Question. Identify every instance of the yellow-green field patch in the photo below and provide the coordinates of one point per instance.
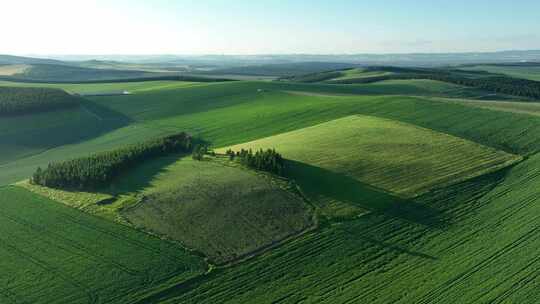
(390, 155)
(12, 69)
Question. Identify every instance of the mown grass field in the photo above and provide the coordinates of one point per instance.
(50, 253)
(399, 158)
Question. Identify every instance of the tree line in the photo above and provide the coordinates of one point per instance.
(263, 160)
(16, 101)
(483, 80)
(99, 169)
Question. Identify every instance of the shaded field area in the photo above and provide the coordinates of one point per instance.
(218, 208)
(103, 88)
(225, 212)
(517, 71)
(54, 254)
(483, 253)
(30, 135)
(473, 240)
(232, 113)
(396, 157)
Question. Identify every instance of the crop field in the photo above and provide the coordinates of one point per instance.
(359, 73)
(473, 241)
(11, 69)
(233, 113)
(54, 254)
(526, 72)
(225, 212)
(104, 88)
(529, 108)
(396, 157)
(485, 253)
(214, 207)
(30, 135)
(416, 200)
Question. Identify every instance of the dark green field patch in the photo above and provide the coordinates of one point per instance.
(223, 211)
(50, 253)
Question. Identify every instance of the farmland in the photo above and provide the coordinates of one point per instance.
(486, 254)
(531, 72)
(235, 112)
(396, 157)
(225, 212)
(398, 191)
(17, 101)
(93, 261)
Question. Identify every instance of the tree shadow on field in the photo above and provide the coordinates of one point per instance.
(316, 181)
(140, 176)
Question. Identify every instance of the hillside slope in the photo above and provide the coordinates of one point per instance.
(386, 154)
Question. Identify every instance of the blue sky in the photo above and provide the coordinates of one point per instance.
(267, 26)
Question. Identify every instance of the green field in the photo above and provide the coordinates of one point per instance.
(232, 113)
(529, 108)
(214, 207)
(10, 69)
(225, 212)
(416, 205)
(396, 157)
(486, 253)
(359, 73)
(104, 88)
(526, 72)
(54, 254)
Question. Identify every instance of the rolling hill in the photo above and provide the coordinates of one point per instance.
(396, 157)
(399, 196)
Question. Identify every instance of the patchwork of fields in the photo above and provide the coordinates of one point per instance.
(526, 72)
(402, 197)
(485, 254)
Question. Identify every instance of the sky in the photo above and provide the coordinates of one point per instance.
(242, 27)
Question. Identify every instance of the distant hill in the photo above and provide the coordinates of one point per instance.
(8, 59)
(283, 69)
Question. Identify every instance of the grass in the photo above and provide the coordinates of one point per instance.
(11, 69)
(212, 206)
(232, 113)
(113, 87)
(54, 254)
(360, 73)
(389, 155)
(30, 135)
(224, 212)
(526, 72)
(472, 242)
(528, 108)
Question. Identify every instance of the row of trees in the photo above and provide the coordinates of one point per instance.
(481, 80)
(15, 101)
(314, 77)
(99, 169)
(499, 84)
(264, 160)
